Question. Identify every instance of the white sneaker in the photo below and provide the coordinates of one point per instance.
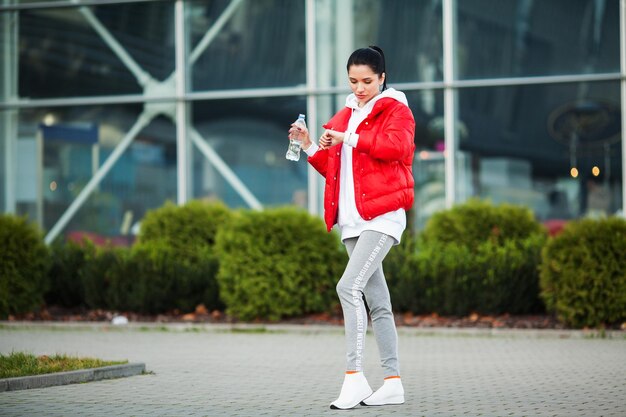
(354, 390)
(391, 392)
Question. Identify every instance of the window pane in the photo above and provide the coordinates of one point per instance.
(408, 31)
(521, 143)
(262, 44)
(75, 142)
(250, 136)
(526, 38)
(61, 54)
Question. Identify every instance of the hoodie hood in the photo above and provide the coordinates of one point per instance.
(352, 102)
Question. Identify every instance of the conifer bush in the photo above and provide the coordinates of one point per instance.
(475, 257)
(185, 227)
(174, 259)
(104, 267)
(24, 263)
(583, 273)
(278, 263)
(158, 279)
(66, 274)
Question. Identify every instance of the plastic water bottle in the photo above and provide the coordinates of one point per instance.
(295, 141)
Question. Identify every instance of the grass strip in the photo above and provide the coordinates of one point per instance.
(24, 364)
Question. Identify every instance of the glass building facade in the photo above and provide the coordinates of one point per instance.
(111, 108)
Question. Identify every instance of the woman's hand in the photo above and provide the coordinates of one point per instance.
(331, 138)
(303, 132)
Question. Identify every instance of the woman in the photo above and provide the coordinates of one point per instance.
(366, 154)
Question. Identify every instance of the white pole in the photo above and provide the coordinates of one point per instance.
(450, 100)
(39, 176)
(180, 119)
(9, 92)
(344, 44)
(311, 82)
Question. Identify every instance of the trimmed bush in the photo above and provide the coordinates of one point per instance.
(104, 267)
(475, 257)
(175, 251)
(171, 267)
(278, 263)
(66, 275)
(150, 278)
(583, 273)
(185, 227)
(24, 265)
(476, 221)
(404, 281)
(452, 279)
(158, 279)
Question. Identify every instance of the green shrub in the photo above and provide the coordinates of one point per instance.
(185, 227)
(150, 278)
(23, 266)
(158, 279)
(452, 279)
(403, 279)
(278, 263)
(172, 265)
(66, 275)
(176, 243)
(477, 221)
(583, 273)
(103, 268)
(475, 257)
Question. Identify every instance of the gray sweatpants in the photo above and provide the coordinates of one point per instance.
(363, 276)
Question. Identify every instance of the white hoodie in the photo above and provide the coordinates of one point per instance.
(350, 221)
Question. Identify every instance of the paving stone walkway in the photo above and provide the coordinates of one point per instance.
(210, 371)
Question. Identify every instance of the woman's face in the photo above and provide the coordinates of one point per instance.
(364, 82)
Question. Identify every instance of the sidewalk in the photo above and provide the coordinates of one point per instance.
(297, 371)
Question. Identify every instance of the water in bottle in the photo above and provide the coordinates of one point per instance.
(295, 141)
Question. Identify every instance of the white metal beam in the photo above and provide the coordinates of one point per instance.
(324, 75)
(25, 103)
(214, 30)
(311, 102)
(141, 75)
(8, 38)
(450, 100)
(344, 42)
(180, 118)
(223, 168)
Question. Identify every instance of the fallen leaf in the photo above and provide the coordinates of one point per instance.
(189, 317)
(201, 309)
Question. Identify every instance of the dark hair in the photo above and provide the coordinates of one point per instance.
(373, 57)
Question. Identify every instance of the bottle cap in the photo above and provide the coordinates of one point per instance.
(301, 116)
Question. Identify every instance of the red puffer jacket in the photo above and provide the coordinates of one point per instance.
(381, 162)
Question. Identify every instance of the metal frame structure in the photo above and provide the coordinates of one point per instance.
(171, 98)
(175, 83)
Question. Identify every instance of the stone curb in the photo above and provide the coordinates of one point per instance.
(71, 377)
(314, 329)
